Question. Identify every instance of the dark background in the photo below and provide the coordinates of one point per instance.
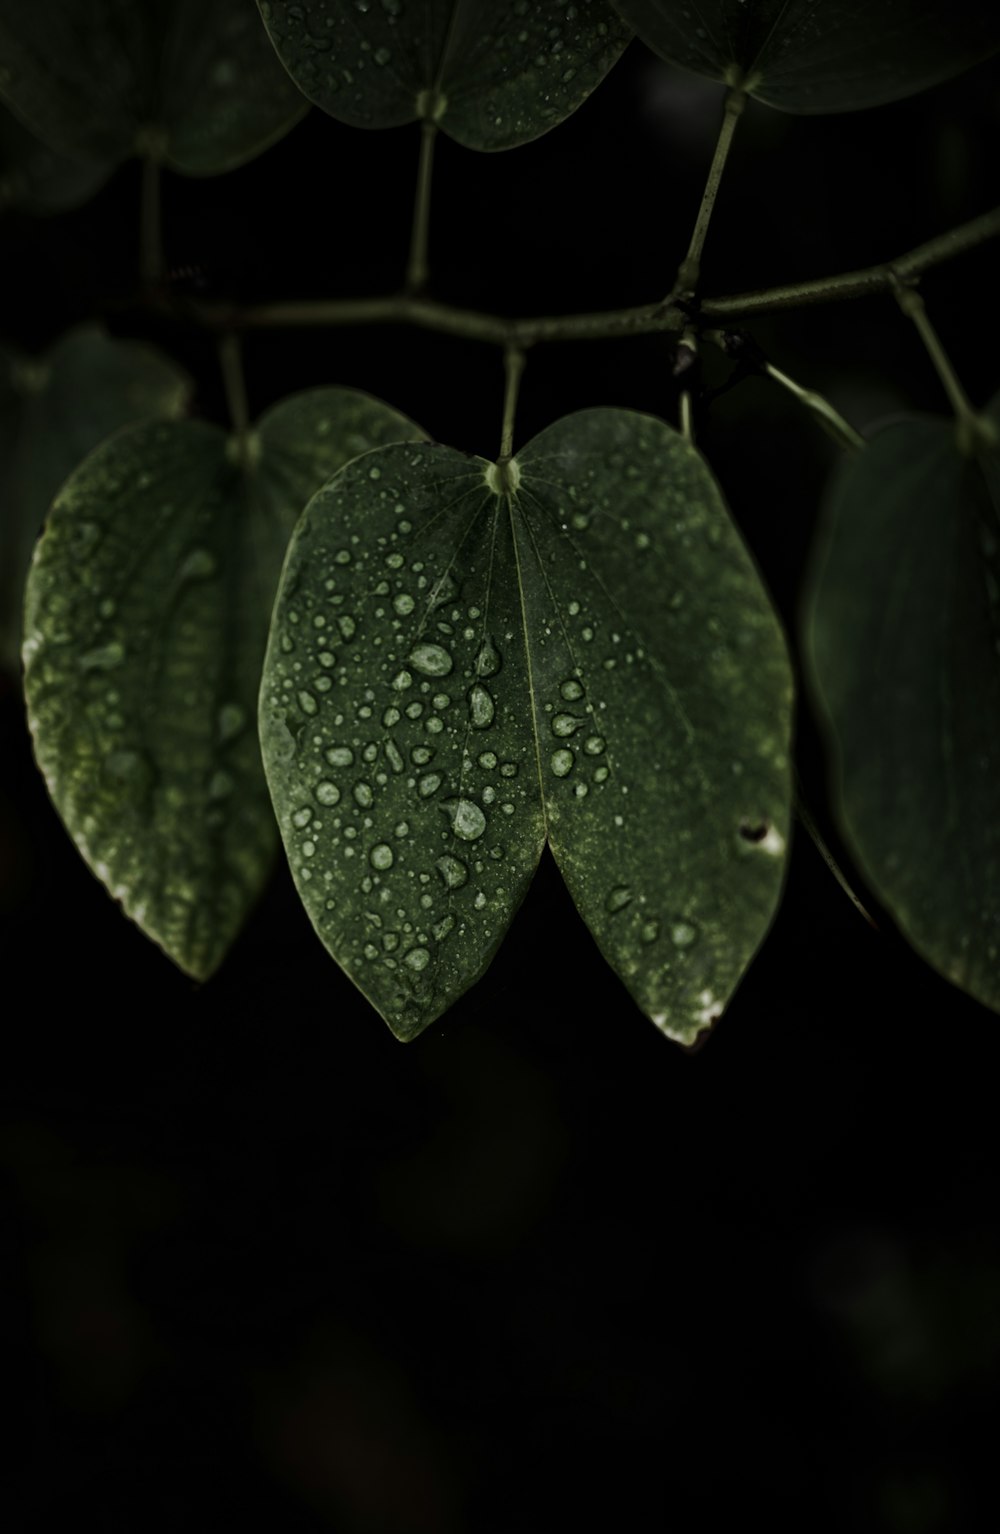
(540, 1269)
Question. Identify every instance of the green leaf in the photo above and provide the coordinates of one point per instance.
(192, 82)
(902, 639)
(820, 55)
(146, 619)
(458, 671)
(493, 73)
(53, 410)
(37, 179)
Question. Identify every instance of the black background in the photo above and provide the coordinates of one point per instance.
(540, 1269)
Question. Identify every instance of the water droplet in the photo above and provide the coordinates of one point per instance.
(561, 762)
(363, 795)
(198, 566)
(403, 604)
(595, 745)
(430, 659)
(417, 958)
(307, 703)
(340, 756)
(129, 766)
(221, 784)
(104, 658)
(650, 931)
(619, 898)
(430, 784)
(453, 872)
(395, 756)
(467, 819)
(480, 901)
(302, 817)
(571, 690)
(481, 708)
(488, 660)
(381, 856)
(683, 933)
(564, 725)
(327, 792)
(230, 721)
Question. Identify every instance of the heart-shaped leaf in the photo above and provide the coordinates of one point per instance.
(53, 410)
(820, 55)
(493, 73)
(38, 179)
(465, 661)
(145, 618)
(191, 82)
(902, 641)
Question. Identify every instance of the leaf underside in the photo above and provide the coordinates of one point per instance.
(193, 81)
(146, 618)
(455, 674)
(53, 411)
(903, 637)
(820, 55)
(494, 73)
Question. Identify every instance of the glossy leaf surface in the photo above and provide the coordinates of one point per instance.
(820, 55)
(193, 82)
(146, 617)
(457, 671)
(493, 73)
(903, 637)
(53, 411)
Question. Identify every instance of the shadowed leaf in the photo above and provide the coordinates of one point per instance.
(902, 640)
(461, 666)
(54, 410)
(37, 179)
(146, 618)
(820, 55)
(192, 82)
(494, 73)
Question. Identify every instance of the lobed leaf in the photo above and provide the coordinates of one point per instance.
(494, 73)
(463, 663)
(53, 411)
(902, 636)
(819, 55)
(192, 82)
(146, 618)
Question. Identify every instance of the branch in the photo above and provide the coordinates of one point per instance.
(644, 319)
(871, 279)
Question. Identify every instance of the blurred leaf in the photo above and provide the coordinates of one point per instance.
(456, 673)
(53, 410)
(494, 73)
(35, 178)
(146, 618)
(902, 641)
(820, 55)
(191, 82)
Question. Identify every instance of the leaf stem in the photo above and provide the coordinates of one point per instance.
(416, 267)
(234, 383)
(690, 268)
(830, 419)
(151, 263)
(912, 304)
(513, 363)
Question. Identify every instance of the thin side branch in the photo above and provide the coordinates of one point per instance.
(416, 267)
(690, 268)
(513, 362)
